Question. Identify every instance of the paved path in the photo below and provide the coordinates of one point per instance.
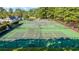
(42, 29)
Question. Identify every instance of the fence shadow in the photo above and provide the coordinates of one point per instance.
(55, 44)
(5, 32)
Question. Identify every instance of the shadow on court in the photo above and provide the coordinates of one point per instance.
(5, 32)
(55, 44)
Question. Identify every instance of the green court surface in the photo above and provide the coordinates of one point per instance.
(40, 30)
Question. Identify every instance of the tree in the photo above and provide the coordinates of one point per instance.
(11, 13)
(3, 13)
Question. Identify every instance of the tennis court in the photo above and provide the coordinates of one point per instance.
(39, 29)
